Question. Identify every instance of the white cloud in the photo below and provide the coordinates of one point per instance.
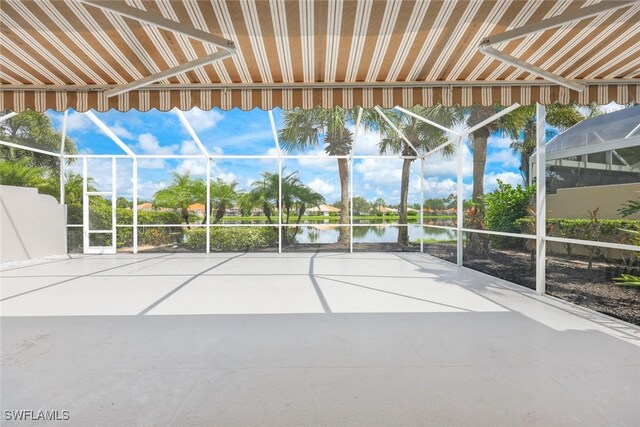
(146, 189)
(248, 138)
(152, 164)
(121, 131)
(189, 147)
(78, 122)
(203, 120)
(499, 142)
(367, 144)
(507, 158)
(148, 144)
(227, 177)
(193, 167)
(318, 160)
(491, 180)
(320, 186)
(379, 171)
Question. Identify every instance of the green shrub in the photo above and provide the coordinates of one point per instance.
(412, 213)
(100, 219)
(607, 230)
(231, 238)
(503, 207)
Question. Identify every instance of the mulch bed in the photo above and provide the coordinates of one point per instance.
(567, 279)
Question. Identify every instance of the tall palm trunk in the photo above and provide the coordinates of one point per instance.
(403, 232)
(480, 138)
(343, 171)
(185, 215)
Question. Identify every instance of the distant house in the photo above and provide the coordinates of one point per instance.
(232, 212)
(197, 209)
(257, 212)
(385, 210)
(145, 207)
(325, 210)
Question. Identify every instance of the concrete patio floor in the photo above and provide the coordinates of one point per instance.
(300, 339)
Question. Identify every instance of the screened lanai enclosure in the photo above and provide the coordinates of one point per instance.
(320, 212)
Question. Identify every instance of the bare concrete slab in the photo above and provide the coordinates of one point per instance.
(305, 340)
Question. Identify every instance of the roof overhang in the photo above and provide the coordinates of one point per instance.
(144, 54)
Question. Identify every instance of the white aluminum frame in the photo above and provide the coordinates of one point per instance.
(458, 139)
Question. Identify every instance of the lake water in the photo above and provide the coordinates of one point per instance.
(370, 234)
(368, 231)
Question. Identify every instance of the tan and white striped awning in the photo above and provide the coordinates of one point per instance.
(71, 54)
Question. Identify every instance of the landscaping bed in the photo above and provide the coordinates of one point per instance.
(568, 279)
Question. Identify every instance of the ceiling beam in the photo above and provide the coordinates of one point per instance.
(318, 85)
(530, 68)
(557, 21)
(182, 68)
(121, 8)
(546, 24)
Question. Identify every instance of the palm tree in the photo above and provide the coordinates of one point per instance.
(33, 129)
(296, 197)
(222, 195)
(560, 116)
(378, 203)
(304, 128)
(182, 192)
(264, 193)
(424, 138)
(20, 173)
(509, 124)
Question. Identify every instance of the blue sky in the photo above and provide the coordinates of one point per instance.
(249, 132)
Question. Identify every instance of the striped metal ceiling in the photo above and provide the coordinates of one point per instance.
(66, 53)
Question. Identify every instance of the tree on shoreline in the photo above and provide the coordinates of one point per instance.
(424, 137)
(305, 128)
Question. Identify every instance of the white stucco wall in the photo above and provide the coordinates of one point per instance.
(32, 225)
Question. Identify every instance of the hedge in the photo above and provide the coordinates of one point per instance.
(231, 238)
(100, 219)
(603, 230)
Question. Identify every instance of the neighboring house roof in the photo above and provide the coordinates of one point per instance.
(323, 208)
(197, 207)
(145, 207)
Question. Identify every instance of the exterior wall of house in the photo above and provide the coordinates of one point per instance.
(575, 202)
(32, 225)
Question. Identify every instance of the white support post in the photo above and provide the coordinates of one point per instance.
(85, 207)
(351, 166)
(135, 205)
(114, 196)
(62, 159)
(8, 116)
(208, 213)
(274, 131)
(459, 195)
(541, 199)
(280, 206)
(422, 205)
